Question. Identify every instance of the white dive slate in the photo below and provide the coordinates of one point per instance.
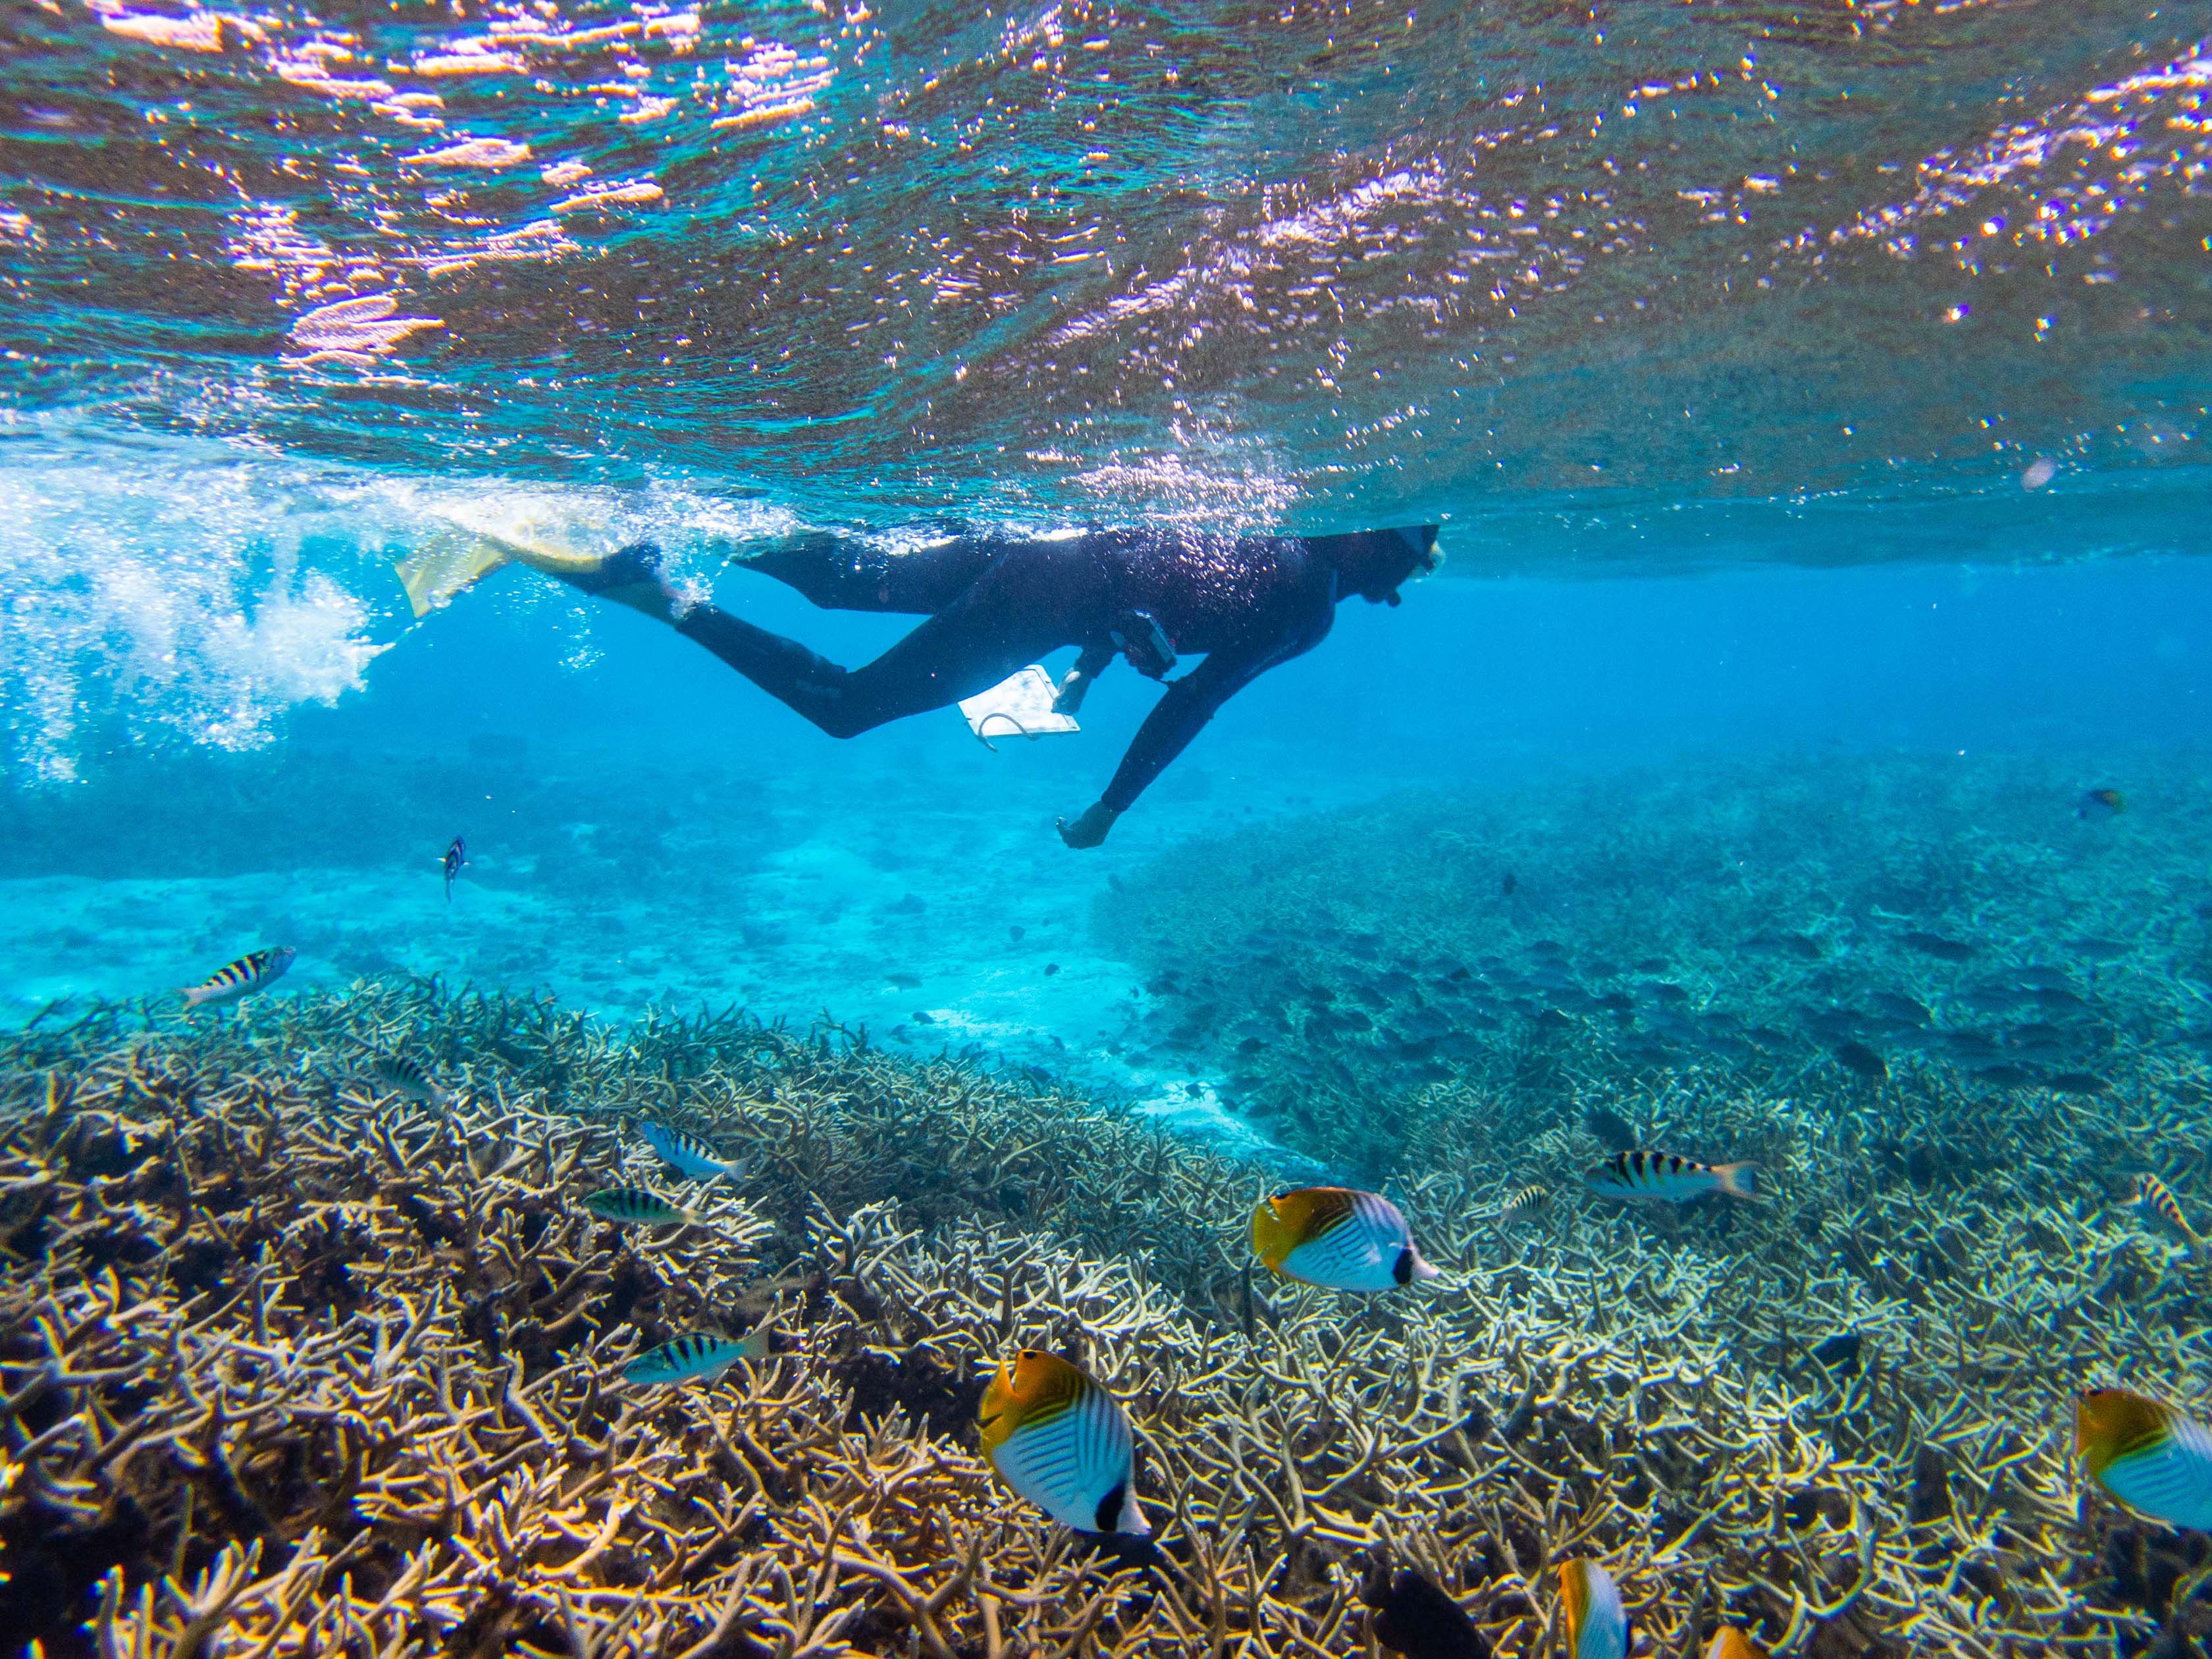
(1018, 707)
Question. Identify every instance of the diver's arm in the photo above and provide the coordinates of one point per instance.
(1167, 731)
(1088, 667)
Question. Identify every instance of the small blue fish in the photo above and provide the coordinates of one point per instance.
(696, 1358)
(688, 1154)
(456, 855)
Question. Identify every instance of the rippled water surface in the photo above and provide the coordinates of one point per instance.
(1295, 260)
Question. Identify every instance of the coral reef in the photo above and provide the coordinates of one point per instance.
(295, 1366)
(1370, 981)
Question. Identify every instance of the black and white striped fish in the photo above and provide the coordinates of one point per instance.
(2155, 1198)
(696, 1358)
(639, 1206)
(241, 978)
(1527, 1202)
(1664, 1178)
(405, 1076)
(690, 1154)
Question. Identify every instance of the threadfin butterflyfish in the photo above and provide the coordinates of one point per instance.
(1062, 1441)
(688, 1154)
(1338, 1238)
(253, 972)
(1597, 1625)
(1664, 1178)
(2146, 1455)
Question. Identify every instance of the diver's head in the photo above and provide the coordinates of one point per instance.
(1375, 562)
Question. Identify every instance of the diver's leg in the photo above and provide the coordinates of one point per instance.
(970, 646)
(631, 576)
(918, 578)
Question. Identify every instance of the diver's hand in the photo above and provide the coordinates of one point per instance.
(1091, 828)
(1069, 698)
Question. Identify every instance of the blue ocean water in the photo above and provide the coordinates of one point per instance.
(1800, 756)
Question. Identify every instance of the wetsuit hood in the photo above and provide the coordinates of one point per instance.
(1373, 563)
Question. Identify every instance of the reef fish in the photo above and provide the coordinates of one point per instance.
(1518, 1206)
(696, 1358)
(1730, 1643)
(1337, 1237)
(2100, 804)
(1415, 1617)
(2146, 1455)
(2155, 1198)
(690, 1154)
(1663, 1178)
(242, 978)
(457, 855)
(405, 1076)
(638, 1206)
(1060, 1440)
(1597, 1625)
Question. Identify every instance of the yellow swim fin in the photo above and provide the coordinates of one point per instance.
(478, 538)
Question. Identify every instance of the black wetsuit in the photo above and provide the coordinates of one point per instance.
(998, 604)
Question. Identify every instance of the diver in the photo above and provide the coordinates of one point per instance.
(997, 602)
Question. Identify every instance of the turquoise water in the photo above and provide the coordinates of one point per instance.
(1813, 400)
(1789, 385)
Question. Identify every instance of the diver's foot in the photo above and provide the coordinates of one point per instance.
(1091, 828)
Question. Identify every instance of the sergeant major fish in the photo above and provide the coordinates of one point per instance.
(1338, 1238)
(1663, 1178)
(2155, 1198)
(254, 972)
(638, 1206)
(696, 1358)
(688, 1154)
(405, 1076)
(1597, 1625)
(1527, 1202)
(1060, 1440)
(2146, 1455)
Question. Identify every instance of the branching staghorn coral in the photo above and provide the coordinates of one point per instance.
(297, 1366)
